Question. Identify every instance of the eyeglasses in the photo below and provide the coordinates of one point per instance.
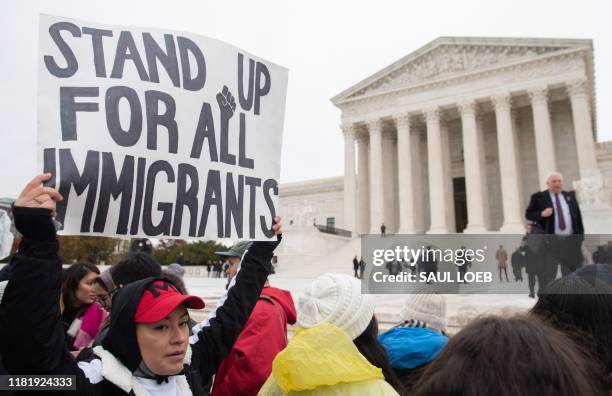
(103, 299)
(113, 292)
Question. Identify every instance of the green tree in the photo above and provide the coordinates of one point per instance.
(195, 253)
(95, 250)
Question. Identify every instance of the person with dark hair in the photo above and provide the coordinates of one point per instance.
(541, 268)
(582, 308)
(82, 317)
(147, 350)
(134, 267)
(419, 338)
(217, 269)
(370, 347)
(78, 285)
(104, 287)
(394, 267)
(142, 245)
(428, 263)
(180, 259)
(356, 266)
(362, 266)
(599, 255)
(334, 350)
(517, 260)
(519, 355)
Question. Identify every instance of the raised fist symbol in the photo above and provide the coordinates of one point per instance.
(227, 103)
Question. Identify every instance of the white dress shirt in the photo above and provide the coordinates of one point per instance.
(567, 216)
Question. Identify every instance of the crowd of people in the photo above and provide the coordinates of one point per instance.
(426, 264)
(127, 330)
(216, 268)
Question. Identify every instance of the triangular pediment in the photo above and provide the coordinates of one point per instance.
(446, 57)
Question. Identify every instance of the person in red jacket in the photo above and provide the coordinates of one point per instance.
(249, 364)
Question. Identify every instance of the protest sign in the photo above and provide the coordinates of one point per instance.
(155, 133)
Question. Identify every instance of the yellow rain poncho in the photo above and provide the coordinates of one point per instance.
(323, 360)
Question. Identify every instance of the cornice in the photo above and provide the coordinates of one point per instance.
(466, 76)
(317, 186)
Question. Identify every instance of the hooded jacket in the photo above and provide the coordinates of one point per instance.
(323, 360)
(411, 347)
(249, 364)
(32, 335)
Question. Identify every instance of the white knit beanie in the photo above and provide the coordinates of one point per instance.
(336, 299)
(429, 308)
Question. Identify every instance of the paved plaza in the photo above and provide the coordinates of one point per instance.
(461, 307)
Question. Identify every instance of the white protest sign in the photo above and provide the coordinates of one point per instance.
(155, 133)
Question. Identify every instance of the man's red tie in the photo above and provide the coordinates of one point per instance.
(559, 212)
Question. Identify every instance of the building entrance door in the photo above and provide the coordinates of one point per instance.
(459, 197)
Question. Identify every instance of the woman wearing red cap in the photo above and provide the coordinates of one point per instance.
(147, 350)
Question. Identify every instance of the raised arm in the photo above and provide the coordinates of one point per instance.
(212, 343)
(31, 332)
(31, 335)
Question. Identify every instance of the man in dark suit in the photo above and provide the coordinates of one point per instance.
(556, 212)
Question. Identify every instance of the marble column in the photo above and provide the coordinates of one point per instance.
(390, 182)
(583, 128)
(449, 200)
(417, 180)
(406, 186)
(350, 191)
(435, 163)
(508, 165)
(545, 144)
(475, 168)
(376, 176)
(363, 184)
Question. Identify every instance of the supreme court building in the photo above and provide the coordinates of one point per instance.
(455, 136)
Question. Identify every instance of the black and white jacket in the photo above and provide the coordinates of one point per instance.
(32, 335)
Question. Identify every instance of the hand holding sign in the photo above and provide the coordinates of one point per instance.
(35, 195)
(277, 227)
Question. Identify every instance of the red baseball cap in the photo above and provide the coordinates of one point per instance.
(159, 299)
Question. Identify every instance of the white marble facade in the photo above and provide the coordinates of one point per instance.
(455, 136)
(309, 202)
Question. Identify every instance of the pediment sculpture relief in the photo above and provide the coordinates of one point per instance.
(447, 60)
